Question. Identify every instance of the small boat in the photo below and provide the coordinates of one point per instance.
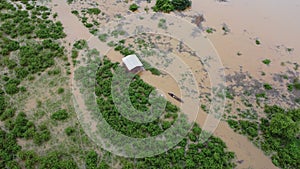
(175, 97)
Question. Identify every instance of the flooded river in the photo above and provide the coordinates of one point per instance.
(274, 23)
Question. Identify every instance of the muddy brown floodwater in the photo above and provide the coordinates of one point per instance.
(274, 23)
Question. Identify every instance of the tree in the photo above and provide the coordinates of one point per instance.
(164, 6)
(181, 5)
(283, 126)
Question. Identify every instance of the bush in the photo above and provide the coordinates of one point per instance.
(103, 37)
(168, 6)
(155, 71)
(267, 86)
(267, 61)
(95, 11)
(133, 7)
(181, 5)
(257, 42)
(80, 44)
(69, 130)
(60, 90)
(290, 87)
(233, 124)
(60, 115)
(297, 86)
(74, 54)
(11, 87)
(88, 25)
(42, 135)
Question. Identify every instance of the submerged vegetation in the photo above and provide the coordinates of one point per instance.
(279, 134)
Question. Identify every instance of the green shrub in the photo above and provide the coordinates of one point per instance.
(95, 11)
(154, 71)
(42, 135)
(260, 95)
(210, 30)
(133, 7)
(88, 25)
(80, 44)
(69, 130)
(267, 86)
(60, 115)
(290, 87)
(11, 87)
(60, 90)
(74, 54)
(257, 42)
(8, 113)
(267, 61)
(233, 124)
(75, 12)
(162, 24)
(168, 5)
(103, 37)
(164, 6)
(297, 85)
(181, 5)
(70, 1)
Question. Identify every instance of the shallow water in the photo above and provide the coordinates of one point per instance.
(272, 22)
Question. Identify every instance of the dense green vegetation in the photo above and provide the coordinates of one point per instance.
(171, 5)
(279, 134)
(28, 45)
(189, 153)
(20, 53)
(139, 92)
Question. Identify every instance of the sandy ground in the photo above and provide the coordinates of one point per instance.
(247, 22)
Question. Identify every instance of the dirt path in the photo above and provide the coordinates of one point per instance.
(243, 148)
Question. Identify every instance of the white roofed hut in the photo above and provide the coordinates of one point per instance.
(133, 64)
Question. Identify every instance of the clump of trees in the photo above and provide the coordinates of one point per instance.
(38, 50)
(28, 45)
(189, 153)
(9, 148)
(171, 5)
(279, 134)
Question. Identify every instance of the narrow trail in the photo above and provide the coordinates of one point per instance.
(252, 156)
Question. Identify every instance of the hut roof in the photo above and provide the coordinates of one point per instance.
(131, 62)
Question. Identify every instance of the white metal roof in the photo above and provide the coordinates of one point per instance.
(131, 62)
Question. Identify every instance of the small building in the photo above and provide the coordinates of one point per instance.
(132, 64)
